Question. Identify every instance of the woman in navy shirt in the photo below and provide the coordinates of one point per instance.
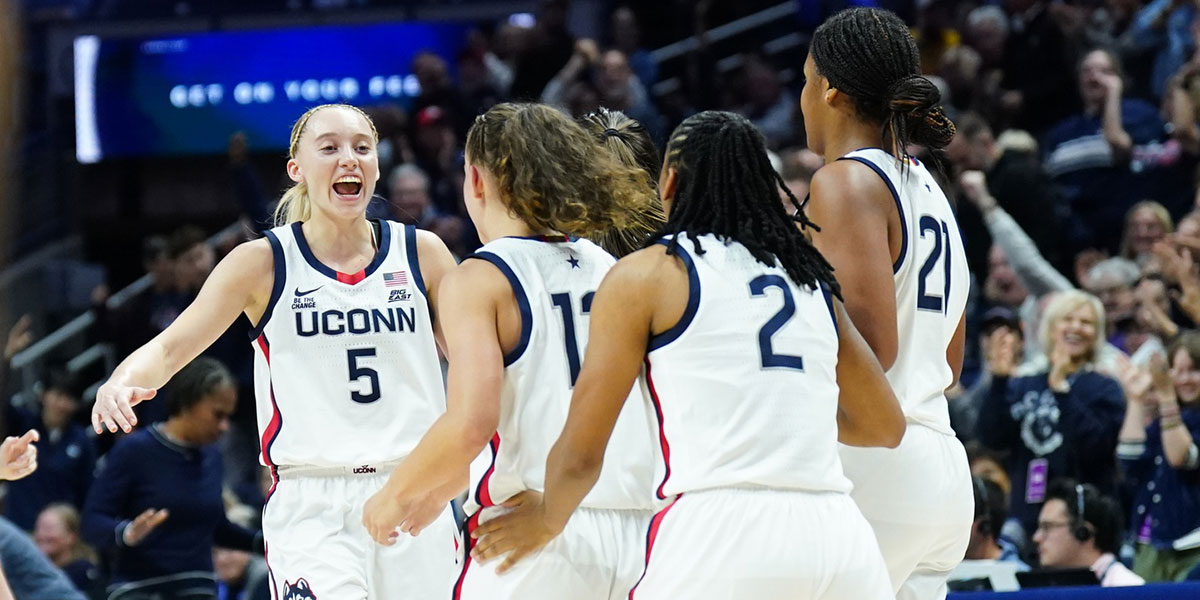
(157, 499)
(1057, 423)
(1159, 456)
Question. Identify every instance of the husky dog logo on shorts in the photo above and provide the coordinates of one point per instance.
(298, 590)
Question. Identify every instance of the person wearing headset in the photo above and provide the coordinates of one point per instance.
(991, 509)
(1078, 527)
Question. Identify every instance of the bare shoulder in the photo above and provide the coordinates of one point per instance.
(647, 266)
(476, 277)
(254, 259)
(427, 241)
(848, 185)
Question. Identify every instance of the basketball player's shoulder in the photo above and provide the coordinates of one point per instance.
(252, 260)
(481, 275)
(849, 185)
(647, 268)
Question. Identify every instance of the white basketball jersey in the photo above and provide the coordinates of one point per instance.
(931, 279)
(745, 385)
(346, 370)
(554, 280)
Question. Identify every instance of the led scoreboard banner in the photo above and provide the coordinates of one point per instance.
(186, 94)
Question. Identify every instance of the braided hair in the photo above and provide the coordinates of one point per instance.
(726, 187)
(869, 54)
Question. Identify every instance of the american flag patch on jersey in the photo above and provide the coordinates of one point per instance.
(395, 279)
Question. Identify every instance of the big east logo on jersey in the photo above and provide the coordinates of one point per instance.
(298, 591)
(400, 295)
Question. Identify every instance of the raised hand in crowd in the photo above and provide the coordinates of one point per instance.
(1001, 352)
(19, 337)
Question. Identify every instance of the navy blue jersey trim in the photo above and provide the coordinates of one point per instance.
(693, 303)
(522, 304)
(829, 303)
(414, 265)
(276, 287)
(385, 244)
(899, 209)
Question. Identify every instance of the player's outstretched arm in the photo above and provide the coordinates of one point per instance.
(868, 412)
(851, 204)
(240, 283)
(436, 470)
(627, 309)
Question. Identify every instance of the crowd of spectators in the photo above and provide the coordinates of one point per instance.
(1073, 175)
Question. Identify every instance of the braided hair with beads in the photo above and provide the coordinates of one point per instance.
(726, 187)
(868, 54)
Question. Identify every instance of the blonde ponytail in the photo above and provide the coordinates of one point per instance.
(295, 204)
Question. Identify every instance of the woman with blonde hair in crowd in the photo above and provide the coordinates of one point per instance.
(1060, 422)
(347, 376)
(58, 535)
(1145, 224)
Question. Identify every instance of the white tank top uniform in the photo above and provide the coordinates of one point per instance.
(599, 554)
(918, 497)
(745, 393)
(347, 381)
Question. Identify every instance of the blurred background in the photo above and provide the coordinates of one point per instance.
(141, 140)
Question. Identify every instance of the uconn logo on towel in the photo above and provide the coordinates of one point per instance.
(298, 591)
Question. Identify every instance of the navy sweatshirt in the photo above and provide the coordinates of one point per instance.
(1075, 434)
(146, 470)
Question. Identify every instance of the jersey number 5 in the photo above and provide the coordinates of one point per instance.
(758, 287)
(941, 246)
(370, 391)
(563, 302)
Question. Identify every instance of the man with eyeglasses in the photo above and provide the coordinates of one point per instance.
(1080, 528)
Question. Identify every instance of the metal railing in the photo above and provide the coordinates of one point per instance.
(25, 364)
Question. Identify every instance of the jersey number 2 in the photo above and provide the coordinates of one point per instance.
(563, 302)
(941, 245)
(758, 287)
(370, 391)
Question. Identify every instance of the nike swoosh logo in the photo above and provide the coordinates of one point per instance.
(300, 293)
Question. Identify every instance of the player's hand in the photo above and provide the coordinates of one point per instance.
(387, 514)
(114, 406)
(136, 532)
(18, 456)
(518, 533)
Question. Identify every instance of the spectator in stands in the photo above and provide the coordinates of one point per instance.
(1035, 98)
(437, 89)
(67, 455)
(765, 101)
(1145, 224)
(436, 149)
(998, 324)
(1090, 154)
(57, 535)
(626, 36)
(1079, 527)
(991, 511)
(157, 502)
(1013, 179)
(1061, 422)
(26, 571)
(194, 259)
(549, 47)
(1163, 29)
(1112, 281)
(144, 315)
(1160, 460)
(412, 204)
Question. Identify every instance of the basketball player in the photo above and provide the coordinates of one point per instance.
(629, 143)
(347, 373)
(732, 313)
(892, 237)
(515, 316)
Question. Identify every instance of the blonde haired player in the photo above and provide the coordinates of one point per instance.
(516, 317)
(347, 376)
